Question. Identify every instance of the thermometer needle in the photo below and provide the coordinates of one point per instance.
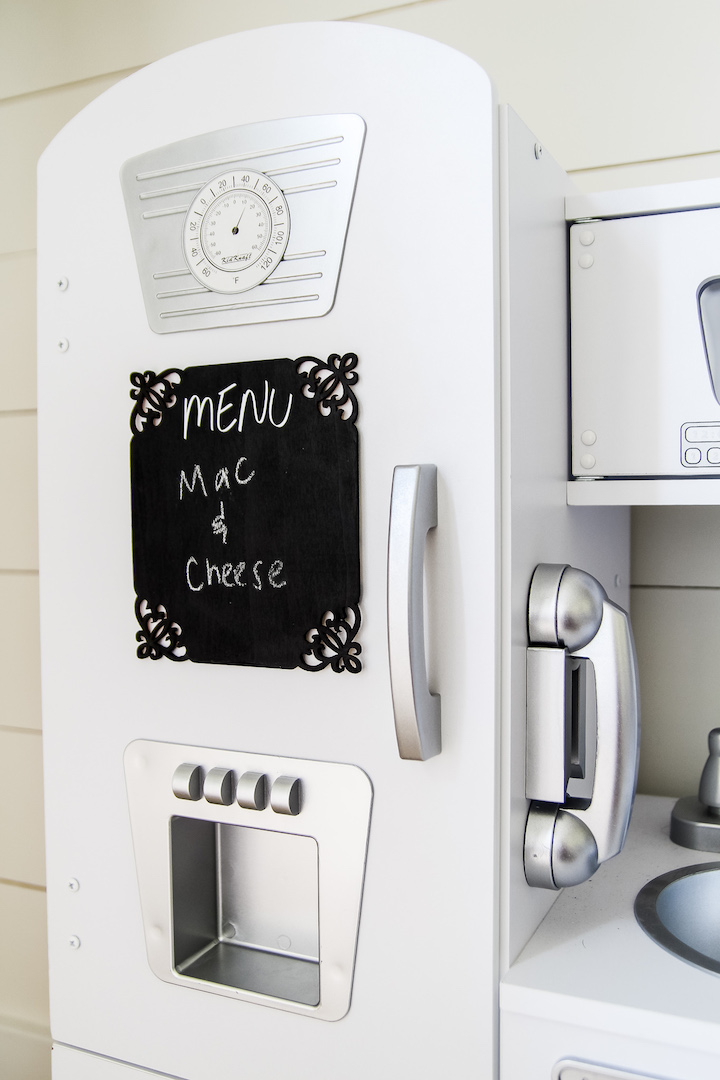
(235, 230)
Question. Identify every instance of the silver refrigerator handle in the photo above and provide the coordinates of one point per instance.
(582, 796)
(413, 511)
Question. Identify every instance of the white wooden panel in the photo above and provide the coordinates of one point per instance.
(543, 528)
(22, 852)
(632, 83)
(675, 545)
(26, 127)
(531, 1045)
(48, 44)
(676, 635)
(23, 947)
(17, 318)
(24, 1052)
(18, 450)
(19, 651)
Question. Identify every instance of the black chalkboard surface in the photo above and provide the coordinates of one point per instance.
(245, 513)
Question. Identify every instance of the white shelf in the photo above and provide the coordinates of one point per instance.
(657, 199)
(700, 492)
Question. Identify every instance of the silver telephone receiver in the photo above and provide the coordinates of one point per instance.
(583, 727)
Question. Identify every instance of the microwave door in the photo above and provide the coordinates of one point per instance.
(709, 311)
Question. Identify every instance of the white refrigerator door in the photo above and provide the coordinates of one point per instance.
(416, 301)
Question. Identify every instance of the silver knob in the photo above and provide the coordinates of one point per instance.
(252, 791)
(219, 786)
(285, 795)
(187, 782)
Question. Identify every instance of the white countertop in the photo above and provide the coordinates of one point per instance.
(590, 949)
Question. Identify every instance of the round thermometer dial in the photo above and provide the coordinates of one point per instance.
(236, 231)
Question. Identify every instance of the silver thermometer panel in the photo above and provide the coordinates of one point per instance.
(208, 258)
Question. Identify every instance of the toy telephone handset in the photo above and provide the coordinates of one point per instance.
(583, 726)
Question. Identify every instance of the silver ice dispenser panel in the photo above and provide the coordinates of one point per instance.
(250, 871)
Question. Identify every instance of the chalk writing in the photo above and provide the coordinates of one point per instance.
(196, 475)
(222, 478)
(231, 575)
(219, 527)
(214, 413)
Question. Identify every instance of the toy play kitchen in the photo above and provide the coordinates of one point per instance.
(339, 691)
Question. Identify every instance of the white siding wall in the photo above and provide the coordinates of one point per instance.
(621, 94)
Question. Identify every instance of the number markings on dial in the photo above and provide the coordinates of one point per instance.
(242, 232)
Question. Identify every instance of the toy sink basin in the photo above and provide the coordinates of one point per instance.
(680, 910)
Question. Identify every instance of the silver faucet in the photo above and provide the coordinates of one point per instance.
(695, 822)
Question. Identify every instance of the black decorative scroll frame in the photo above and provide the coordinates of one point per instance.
(328, 383)
(153, 395)
(333, 643)
(212, 607)
(159, 635)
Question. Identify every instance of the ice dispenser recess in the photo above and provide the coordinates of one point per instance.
(245, 908)
(250, 870)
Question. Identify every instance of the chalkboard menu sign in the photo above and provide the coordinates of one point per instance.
(245, 513)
